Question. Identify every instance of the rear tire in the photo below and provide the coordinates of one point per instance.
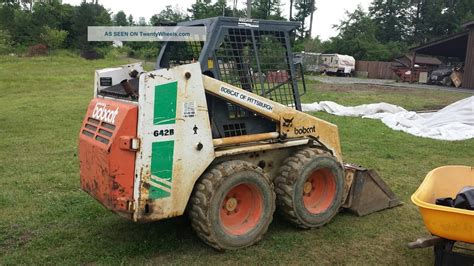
(232, 205)
(310, 188)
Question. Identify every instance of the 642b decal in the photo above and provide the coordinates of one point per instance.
(163, 132)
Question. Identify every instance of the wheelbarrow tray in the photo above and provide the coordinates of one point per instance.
(450, 223)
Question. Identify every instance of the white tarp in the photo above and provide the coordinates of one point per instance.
(454, 122)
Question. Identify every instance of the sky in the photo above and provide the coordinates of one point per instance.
(328, 13)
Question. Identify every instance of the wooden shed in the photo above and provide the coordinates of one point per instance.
(460, 45)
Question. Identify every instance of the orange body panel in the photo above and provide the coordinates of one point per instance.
(107, 162)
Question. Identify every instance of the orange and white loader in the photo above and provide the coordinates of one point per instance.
(176, 140)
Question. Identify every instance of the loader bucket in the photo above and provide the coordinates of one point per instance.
(367, 193)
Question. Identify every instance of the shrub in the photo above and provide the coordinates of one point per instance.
(147, 53)
(38, 50)
(5, 42)
(53, 38)
(91, 55)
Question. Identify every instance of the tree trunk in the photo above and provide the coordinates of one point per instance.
(249, 8)
(311, 17)
(291, 10)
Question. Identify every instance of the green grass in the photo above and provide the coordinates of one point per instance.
(46, 218)
(409, 98)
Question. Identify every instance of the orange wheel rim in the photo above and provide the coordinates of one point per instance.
(241, 209)
(319, 191)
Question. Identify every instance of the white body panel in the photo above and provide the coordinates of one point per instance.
(162, 194)
(112, 76)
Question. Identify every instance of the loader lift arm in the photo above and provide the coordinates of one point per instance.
(291, 123)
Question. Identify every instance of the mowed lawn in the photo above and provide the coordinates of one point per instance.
(46, 218)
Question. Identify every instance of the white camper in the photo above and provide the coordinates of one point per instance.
(337, 63)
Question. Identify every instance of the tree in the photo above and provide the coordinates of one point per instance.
(304, 8)
(291, 10)
(432, 19)
(313, 45)
(313, 9)
(88, 14)
(200, 9)
(15, 22)
(392, 19)
(20, 30)
(222, 9)
(52, 14)
(120, 19)
(205, 9)
(53, 38)
(357, 37)
(131, 22)
(267, 9)
(141, 21)
(169, 14)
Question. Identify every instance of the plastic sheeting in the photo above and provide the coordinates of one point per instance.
(454, 122)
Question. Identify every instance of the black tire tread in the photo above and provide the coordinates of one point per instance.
(283, 188)
(205, 188)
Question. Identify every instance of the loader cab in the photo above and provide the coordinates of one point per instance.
(251, 54)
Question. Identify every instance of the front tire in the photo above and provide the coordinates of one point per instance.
(310, 188)
(232, 205)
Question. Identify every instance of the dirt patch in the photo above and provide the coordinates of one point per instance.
(19, 240)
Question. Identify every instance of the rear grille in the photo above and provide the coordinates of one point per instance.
(100, 131)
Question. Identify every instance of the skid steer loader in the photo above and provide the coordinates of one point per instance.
(217, 131)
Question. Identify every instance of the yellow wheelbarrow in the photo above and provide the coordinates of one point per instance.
(447, 225)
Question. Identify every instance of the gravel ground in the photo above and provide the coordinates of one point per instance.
(383, 82)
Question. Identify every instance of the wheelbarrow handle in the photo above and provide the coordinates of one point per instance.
(425, 242)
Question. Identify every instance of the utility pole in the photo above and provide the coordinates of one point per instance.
(249, 8)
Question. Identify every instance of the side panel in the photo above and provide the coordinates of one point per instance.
(176, 141)
(107, 165)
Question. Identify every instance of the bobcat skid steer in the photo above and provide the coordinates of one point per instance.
(216, 131)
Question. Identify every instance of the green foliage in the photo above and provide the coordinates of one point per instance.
(109, 52)
(314, 45)
(270, 52)
(120, 19)
(148, 53)
(5, 42)
(357, 37)
(206, 9)
(169, 14)
(393, 25)
(304, 8)
(433, 19)
(387, 30)
(53, 38)
(131, 22)
(391, 18)
(267, 9)
(88, 14)
(142, 21)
